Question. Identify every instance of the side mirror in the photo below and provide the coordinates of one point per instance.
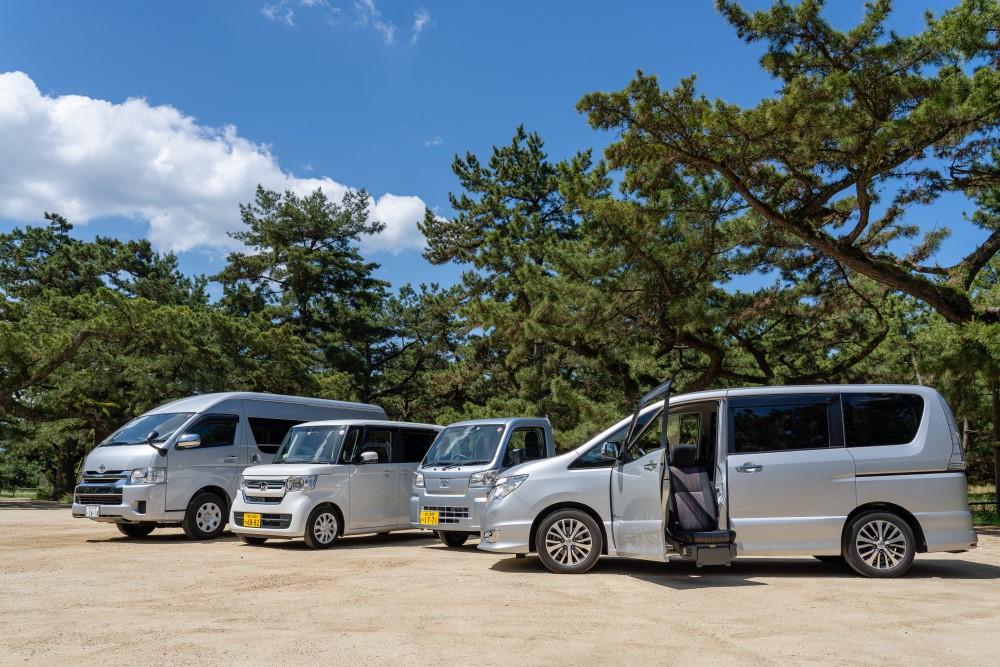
(609, 450)
(189, 441)
(369, 457)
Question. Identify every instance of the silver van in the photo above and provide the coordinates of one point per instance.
(450, 486)
(332, 478)
(867, 474)
(178, 464)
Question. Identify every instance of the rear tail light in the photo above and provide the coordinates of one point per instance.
(957, 461)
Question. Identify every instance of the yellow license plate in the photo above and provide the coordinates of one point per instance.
(251, 521)
(428, 518)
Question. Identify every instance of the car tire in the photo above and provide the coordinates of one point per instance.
(205, 517)
(135, 530)
(569, 542)
(322, 528)
(452, 539)
(880, 545)
(249, 539)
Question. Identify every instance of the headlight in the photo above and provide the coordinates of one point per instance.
(418, 479)
(505, 486)
(148, 476)
(481, 479)
(301, 483)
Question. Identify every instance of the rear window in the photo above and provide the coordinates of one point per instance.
(871, 420)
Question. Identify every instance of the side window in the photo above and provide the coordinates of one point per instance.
(378, 440)
(415, 444)
(216, 430)
(525, 444)
(268, 433)
(881, 419)
(649, 437)
(350, 446)
(695, 428)
(770, 428)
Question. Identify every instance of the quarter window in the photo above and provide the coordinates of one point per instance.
(871, 420)
(768, 428)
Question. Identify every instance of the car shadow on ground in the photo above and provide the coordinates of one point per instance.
(349, 543)
(682, 575)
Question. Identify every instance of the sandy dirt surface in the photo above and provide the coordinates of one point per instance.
(75, 592)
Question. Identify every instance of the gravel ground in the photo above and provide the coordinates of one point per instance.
(75, 592)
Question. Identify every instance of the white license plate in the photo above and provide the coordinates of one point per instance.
(93, 510)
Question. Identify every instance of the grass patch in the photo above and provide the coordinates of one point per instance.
(982, 502)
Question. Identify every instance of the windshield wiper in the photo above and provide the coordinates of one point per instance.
(465, 463)
(115, 443)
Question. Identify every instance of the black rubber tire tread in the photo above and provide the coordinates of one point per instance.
(856, 560)
(190, 521)
(135, 530)
(452, 539)
(597, 542)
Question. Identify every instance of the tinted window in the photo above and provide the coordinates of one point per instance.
(216, 431)
(378, 440)
(649, 437)
(347, 450)
(771, 428)
(269, 433)
(881, 419)
(416, 444)
(592, 457)
(526, 444)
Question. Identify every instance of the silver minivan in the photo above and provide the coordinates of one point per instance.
(867, 474)
(333, 478)
(179, 463)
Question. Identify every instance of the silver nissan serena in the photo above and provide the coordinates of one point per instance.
(867, 474)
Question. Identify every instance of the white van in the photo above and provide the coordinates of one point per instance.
(333, 478)
(869, 475)
(179, 464)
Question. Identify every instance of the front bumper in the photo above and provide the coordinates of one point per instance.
(142, 503)
(507, 527)
(455, 513)
(286, 519)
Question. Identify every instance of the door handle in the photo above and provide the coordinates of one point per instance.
(650, 466)
(386, 473)
(749, 467)
(230, 459)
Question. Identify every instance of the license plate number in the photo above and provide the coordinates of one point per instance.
(93, 511)
(251, 521)
(428, 518)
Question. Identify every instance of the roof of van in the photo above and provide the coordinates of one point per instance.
(365, 422)
(502, 420)
(202, 402)
(806, 389)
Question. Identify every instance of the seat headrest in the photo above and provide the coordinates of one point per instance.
(683, 456)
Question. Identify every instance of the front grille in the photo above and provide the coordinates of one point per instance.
(449, 514)
(273, 500)
(101, 488)
(264, 484)
(267, 520)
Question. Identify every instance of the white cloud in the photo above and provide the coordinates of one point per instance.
(435, 141)
(86, 159)
(422, 19)
(279, 13)
(368, 13)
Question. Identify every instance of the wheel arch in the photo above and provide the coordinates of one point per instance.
(336, 510)
(217, 490)
(901, 512)
(569, 505)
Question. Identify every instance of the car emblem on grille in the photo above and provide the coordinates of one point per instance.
(444, 484)
(102, 468)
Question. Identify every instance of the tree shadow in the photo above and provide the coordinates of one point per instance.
(29, 504)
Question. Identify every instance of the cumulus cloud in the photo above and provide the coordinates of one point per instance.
(88, 159)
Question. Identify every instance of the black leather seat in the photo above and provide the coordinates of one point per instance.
(693, 522)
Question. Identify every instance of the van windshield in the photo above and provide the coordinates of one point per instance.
(465, 445)
(136, 431)
(314, 444)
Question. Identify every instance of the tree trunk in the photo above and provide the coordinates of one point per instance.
(995, 394)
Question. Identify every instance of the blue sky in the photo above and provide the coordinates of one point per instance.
(157, 119)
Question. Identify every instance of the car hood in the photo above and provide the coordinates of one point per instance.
(288, 469)
(122, 457)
